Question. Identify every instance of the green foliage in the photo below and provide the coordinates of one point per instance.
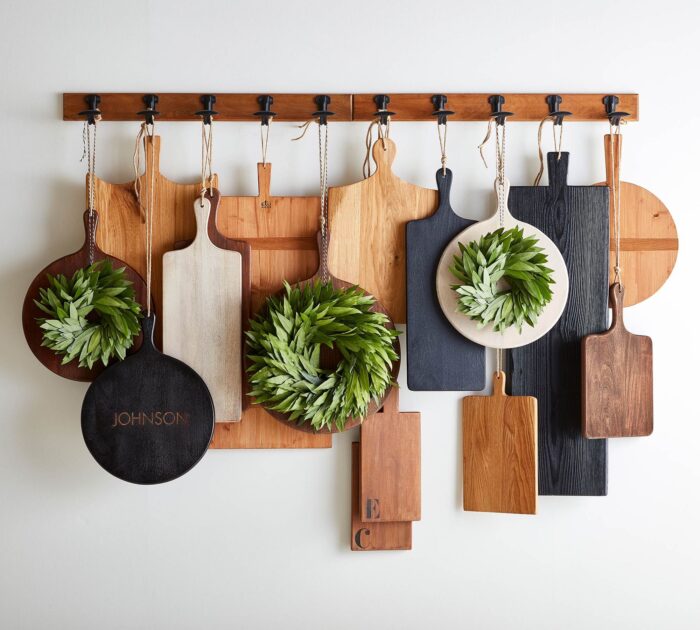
(502, 255)
(285, 343)
(92, 316)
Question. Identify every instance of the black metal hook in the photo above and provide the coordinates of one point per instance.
(265, 102)
(208, 101)
(149, 114)
(93, 110)
(439, 101)
(382, 113)
(611, 102)
(322, 102)
(553, 102)
(496, 101)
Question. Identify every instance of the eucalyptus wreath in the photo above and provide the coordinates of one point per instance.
(285, 341)
(509, 256)
(91, 316)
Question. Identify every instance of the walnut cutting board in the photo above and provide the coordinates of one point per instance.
(617, 379)
(375, 536)
(390, 464)
(368, 221)
(202, 313)
(499, 448)
(649, 241)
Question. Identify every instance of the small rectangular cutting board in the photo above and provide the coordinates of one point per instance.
(390, 464)
(576, 219)
(374, 536)
(202, 312)
(499, 450)
(438, 357)
(618, 398)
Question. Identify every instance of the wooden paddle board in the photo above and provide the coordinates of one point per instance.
(576, 219)
(390, 480)
(618, 391)
(439, 358)
(649, 241)
(202, 313)
(499, 449)
(369, 219)
(375, 536)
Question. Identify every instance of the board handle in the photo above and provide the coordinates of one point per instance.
(612, 168)
(617, 295)
(264, 177)
(384, 152)
(499, 384)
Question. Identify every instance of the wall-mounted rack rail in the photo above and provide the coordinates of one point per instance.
(352, 107)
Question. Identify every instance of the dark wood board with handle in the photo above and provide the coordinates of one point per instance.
(68, 265)
(375, 536)
(576, 219)
(390, 479)
(439, 358)
(617, 367)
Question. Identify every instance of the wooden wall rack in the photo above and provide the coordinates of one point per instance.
(348, 107)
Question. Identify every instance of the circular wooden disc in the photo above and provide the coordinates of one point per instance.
(148, 419)
(486, 336)
(68, 265)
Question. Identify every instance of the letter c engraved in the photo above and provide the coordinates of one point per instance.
(358, 537)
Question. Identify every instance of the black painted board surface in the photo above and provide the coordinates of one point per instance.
(438, 357)
(150, 418)
(576, 218)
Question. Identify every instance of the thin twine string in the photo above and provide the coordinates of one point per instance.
(89, 151)
(207, 147)
(615, 136)
(323, 175)
(501, 171)
(264, 137)
(144, 130)
(149, 213)
(383, 132)
(442, 138)
(557, 144)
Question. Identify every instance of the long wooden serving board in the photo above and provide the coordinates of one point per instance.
(439, 358)
(576, 219)
(368, 221)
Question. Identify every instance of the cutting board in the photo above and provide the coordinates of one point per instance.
(617, 379)
(68, 265)
(576, 219)
(390, 480)
(202, 312)
(649, 241)
(439, 358)
(499, 450)
(375, 536)
(368, 219)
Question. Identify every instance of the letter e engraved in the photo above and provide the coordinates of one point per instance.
(372, 509)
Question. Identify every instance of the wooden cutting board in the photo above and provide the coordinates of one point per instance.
(202, 312)
(375, 536)
(439, 358)
(649, 241)
(618, 386)
(368, 220)
(576, 219)
(499, 450)
(390, 464)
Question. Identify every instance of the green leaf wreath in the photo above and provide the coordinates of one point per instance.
(285, 342)
(92, 316)
(502, 255)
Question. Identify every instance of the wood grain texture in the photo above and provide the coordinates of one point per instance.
(649, 246)
(466, 107)
(369, 220)
(390, 464)
(148, 419)
(202, 313)
(230, 107)
(618, 390)
(499, 450)
(68, 265)
(576, 219)
(439, 358)
(375, 536)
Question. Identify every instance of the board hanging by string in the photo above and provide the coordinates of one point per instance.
(150, 418)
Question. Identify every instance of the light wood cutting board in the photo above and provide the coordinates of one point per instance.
(202, 313)
(368, 221)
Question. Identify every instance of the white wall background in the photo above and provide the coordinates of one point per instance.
(259, 539)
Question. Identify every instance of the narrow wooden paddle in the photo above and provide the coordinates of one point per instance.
(390, 486)
(499, 449)
(617, 379)
(68, 265)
